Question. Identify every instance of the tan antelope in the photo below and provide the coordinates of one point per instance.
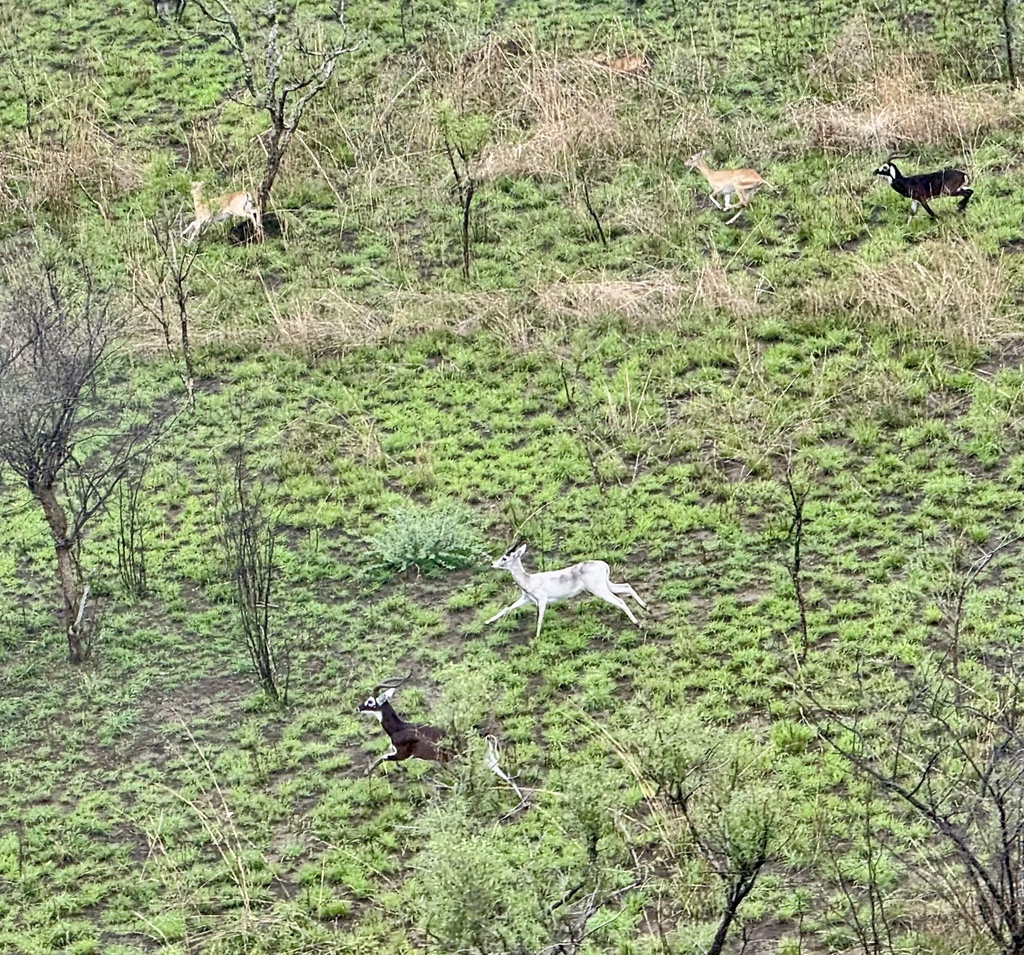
(741, 183)
(632, 64)
(590, 576)
(232, 205)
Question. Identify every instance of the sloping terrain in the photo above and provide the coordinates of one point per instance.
(796, 436)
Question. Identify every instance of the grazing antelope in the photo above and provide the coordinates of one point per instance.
(407, 739)
(929, 185)
(742, 183)
(237, 205)
(590, 576)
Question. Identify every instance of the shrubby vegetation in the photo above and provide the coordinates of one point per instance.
(493, 301)
(433, 540)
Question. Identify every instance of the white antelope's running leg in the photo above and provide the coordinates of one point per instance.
(718, 205)
(604, 592)
(627, 590)
(512, 606)
(541, 605)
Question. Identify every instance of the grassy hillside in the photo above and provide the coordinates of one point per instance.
(798, 438)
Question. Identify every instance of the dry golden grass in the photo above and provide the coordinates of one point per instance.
(647, 301)
(652, 300)
(875, 98)
(948, 291)
(322, 322)
(570, 110)
(83, 161)
(737, 295)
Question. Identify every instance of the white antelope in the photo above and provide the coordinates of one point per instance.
(741, 183)
(591, 576)
(232, 205)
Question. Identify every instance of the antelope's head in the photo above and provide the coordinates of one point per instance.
(374, 704)
(511, 557)
(888, 168)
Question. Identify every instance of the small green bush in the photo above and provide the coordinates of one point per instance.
(435, 540)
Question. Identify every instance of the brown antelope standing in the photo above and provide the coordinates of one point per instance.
(232, 205)
(590, 576)
(632, 64)
(741, 183)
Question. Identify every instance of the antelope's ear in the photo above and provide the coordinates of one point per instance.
(520, 550)
(386, 695)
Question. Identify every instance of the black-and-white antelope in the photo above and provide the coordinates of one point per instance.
(924, 186)
(420, 741)
(408, 740)
(590, 576)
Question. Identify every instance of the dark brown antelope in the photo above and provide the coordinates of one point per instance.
(590, 576)
(408, 740)
(419, 741)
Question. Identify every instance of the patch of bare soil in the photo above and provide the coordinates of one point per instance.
(166, 717)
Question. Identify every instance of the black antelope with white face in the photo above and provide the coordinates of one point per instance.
(590, 576)
(408, 740)
(930, 185)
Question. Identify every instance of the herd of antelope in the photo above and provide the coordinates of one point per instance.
(736, 187)
(592, 576)
(731, 184)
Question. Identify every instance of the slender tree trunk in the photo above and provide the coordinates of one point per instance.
(67, 576)
(467, 202)
(737, 892)
(1009, 15)
(722, 932)
(275, 147)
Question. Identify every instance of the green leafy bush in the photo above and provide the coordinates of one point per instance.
(434, 540)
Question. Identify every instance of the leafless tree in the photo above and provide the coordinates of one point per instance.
(1008, 13)
(132, 542)
(956, 760)
(464, 137)
(798, 491)
(164, 291)
(249, 537)
(283, 68)
(68, 446)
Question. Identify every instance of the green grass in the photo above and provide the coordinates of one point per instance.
(639, 402)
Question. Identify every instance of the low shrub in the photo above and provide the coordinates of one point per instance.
(435, 540)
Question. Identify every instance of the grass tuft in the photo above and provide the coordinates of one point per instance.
(942, 290)
(873, 98)
(433, 540)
